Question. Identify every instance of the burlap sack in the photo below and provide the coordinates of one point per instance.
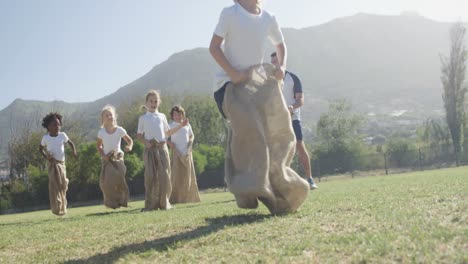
(184, 181)
(261, 145)
(58, 186)
(112, 182)
(157, 174)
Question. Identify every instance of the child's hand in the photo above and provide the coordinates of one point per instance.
(185, 122)
(239, 76)
(170, 144)
(105, 157)
(49, 157)
(279, 73)
(75, 154)
(291, 109)
(128, 148)
(147, 144)
(189, 146)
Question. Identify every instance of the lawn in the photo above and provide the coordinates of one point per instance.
(412, 217)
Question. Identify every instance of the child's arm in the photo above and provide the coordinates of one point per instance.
(72, 146)
(143, 141)
(281, 52)
(141, 132)
(129, 141)
(170, 143)
(220, 58)
(100, 149)
(46, 155)
(171, 131)
(190, 144)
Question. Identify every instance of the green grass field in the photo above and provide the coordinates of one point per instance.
(410, 218)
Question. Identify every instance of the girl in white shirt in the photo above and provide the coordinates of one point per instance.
(184, 181)
(53, 149)
(112, 180)
(153, 131)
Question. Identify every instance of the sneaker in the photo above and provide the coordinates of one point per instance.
(312, 184)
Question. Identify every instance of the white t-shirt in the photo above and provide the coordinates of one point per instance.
(245, 37)
(153, 126)
(111, 142)
(181, 137)
(290, 89)
(55, 145)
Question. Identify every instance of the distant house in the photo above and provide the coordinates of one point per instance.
(4, 170)
(376, 140)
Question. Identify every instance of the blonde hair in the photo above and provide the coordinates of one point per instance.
(148, 95)
(111, 109)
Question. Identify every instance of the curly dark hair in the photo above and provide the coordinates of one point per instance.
(51, 117)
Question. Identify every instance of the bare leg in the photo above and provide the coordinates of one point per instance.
(304, 159)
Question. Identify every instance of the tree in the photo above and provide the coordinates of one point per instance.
(340, 144)
(135, 166)
(453, 77)
(401, 151)
(23, 151)
(339, 125)
(205, 119)
(434, 132)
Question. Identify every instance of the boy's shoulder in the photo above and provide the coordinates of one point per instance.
(230, 9)
(236, 9)
(267, 13)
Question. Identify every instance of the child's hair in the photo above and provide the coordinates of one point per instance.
(148, 95)
(111, 109)
(273, 55)
(179, 109)
(51, 117)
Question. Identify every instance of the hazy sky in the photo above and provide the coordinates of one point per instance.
(82, 50)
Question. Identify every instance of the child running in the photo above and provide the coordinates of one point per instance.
(260, 140)
(184, 181)
(112, 180)
(153, 131)
(52, 148)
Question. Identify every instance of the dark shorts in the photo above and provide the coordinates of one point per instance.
(219, 98)
(297, 129)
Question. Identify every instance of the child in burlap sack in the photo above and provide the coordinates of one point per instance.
(260, 141)
(153, 131)
(112, 180)
(184, 180)
(52, 147)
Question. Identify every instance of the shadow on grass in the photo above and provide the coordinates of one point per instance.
(131, 211)
(205, 204)
(162, 244)
(61, 219)
(58, 219)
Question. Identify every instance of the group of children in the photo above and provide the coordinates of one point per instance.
(161, 187)
(238, 44)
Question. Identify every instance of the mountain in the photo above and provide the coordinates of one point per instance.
(380, 63)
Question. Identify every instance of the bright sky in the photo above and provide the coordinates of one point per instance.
(79, 51)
